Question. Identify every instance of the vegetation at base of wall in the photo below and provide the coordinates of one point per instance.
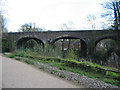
(67, 62)
(32, 47)
(88, 69)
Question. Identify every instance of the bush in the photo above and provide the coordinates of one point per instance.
(71, 54)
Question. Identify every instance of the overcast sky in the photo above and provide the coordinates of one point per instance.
(51, 14)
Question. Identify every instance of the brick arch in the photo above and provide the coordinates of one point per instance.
(83, 43)
(65, 37)
(107, 37)
(20, 43)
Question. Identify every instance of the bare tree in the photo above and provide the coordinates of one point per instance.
(67, 26)
(2, 19)
(112, 12)
(91, 20)
(2, 24)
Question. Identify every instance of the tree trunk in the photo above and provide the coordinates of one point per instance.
(115, 13)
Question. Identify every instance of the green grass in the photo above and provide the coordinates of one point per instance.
(44, 61)
(55, 71)
(19, 59)
(29, 62)
(19, 53)
(112, 81)
(10, 56)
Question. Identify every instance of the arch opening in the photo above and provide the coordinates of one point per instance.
(105, 50)
(106, 45)
(66, 44)
(104, 38)
(28, 42)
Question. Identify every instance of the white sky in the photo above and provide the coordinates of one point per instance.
(51, 14)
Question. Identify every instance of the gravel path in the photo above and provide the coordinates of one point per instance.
(16, 74)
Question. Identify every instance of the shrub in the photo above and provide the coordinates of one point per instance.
(71, 54)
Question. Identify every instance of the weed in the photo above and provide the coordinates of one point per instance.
(51, 72)
(42, 68)
(19, 53)
(112, 75)
(29, 62)
(62, 68)
(11, 56)
(55, 71)
(62, 75)
(111, 81)
(18, 59)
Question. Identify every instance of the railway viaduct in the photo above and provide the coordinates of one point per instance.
(89, 38)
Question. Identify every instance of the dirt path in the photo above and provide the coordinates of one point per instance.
(20, 75)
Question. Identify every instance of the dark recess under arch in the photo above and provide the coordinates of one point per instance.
(20, 44)
(83, 44)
